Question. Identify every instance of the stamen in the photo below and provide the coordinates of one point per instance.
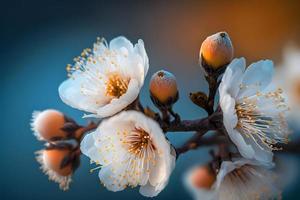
(94, 169)
(265, 129)
(116, 86)
(245, 176)
(138, 142)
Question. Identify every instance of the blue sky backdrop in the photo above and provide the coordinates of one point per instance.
(39, 38)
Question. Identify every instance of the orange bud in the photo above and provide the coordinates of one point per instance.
(163, 86)
(48, 123)
(217, 50)
(202, 177)
(53, 159)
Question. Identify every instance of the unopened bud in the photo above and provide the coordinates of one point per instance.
(58, 165)
(202, 177)
(216, 50)
(47, 124)
(53, 159)
(163, 87)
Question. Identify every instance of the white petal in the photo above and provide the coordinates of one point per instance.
(111, 180)
(259, 184)
(159, 176)
(256, 78)
(119, 42)
(70, 93)
(230, 119)
(232, 77)
(140, 49)
(264, 156)
(149, 191)
(87, 147)
(246, 150)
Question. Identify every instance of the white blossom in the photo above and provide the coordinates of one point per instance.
(253, 111)
(197, 192)
(236, 180)
(50, 165)
(288, 77)
(132, 151)
(107, 78)
(247, 180)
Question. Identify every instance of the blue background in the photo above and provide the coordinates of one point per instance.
(39, 38)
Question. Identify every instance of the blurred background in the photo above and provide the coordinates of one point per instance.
(39, 38)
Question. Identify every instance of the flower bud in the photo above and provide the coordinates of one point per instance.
(47, 124)
(202, 177)
(216, 50)
(163, 87)
(51, 161)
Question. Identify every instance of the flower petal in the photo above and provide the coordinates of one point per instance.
(233, 77)
(112, 180)
(139, 48)
(256, 78)
(119, 42)
(87, 147)
(70, 93)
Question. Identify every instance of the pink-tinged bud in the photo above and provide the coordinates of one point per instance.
(53, 159)
(163, 87)
(53, 163)
(202, 177)
(47, 124)
(216, 50)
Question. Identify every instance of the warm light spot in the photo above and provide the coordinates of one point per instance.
(163, 86)
(49, 123)
(203, 177)
(53, 159)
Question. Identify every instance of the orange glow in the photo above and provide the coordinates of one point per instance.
(202, 177)
(49, 124)
(53, 159)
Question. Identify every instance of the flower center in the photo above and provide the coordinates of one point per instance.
(116, 86)
(250, 182)
(265, 127)
(138, 142)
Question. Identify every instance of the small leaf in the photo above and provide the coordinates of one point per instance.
(149, 112)
(66, 161)
(70, 127)
(76, 163)
(200, 99)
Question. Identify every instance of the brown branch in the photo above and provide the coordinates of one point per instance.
(212, 122)
(292, 147)
(213, 86)
(83, 130)
(198, 140)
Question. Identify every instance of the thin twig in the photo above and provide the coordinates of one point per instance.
(89, 127)
(199, 141)
(199, 125)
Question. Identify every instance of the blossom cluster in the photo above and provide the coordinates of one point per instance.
(130, 146)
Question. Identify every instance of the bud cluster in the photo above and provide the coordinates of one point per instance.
(61, 154)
